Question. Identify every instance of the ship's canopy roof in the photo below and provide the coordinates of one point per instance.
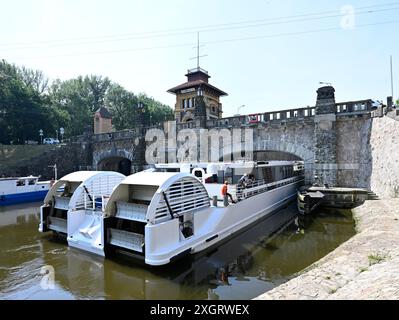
(79, 176)
(147, 178)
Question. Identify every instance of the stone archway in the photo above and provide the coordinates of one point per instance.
(117, 164)
(307, 155)
(295, 149)
(114, 160)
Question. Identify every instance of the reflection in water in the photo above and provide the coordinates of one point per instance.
(247, 265)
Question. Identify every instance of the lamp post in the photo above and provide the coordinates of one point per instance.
(238, 110)
(62, 131)
(55, 171)
(41, 136)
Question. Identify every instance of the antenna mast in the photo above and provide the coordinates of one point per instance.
(392, 78)
(198, 52)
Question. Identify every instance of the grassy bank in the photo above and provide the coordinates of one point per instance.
(14, 156)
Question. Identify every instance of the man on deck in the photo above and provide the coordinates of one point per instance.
(225, 193)
(244, 180)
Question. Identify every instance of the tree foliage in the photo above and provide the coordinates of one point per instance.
(22, 110)
(35, 79)
(29, 102)
(123, 106)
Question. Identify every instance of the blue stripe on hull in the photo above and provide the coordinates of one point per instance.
(10, 199)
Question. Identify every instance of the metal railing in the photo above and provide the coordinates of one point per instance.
(93, 203)
(260, 186)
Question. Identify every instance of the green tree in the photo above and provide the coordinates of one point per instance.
(96, 88)
(21, 107)
(155, 112)
(76, 100)
(71, 98)
(35, 79)
(28, 103)
(123, 106)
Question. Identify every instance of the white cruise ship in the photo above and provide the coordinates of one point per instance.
(171, 210)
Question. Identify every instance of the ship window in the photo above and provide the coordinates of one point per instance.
(32, 182)
(198, 174)
(20, 183)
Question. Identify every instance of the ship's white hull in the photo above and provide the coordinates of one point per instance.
(213, 225)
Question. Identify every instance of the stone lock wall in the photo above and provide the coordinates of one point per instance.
(68, 158)
(384, 157)
(354, 151)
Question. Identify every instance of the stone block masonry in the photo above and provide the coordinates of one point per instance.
(384, 166)
(347, 144)
(364, 267)
(35, 159)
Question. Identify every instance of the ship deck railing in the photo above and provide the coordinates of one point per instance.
(260, 186)
(92, 202)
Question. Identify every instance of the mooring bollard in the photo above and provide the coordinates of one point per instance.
(215, 201)
(225, 201)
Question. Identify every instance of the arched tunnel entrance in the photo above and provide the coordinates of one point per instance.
(118, 164)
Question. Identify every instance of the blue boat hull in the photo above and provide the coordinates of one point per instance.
(10, 199)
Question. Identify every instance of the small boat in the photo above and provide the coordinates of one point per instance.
(168, 211)
(21, 190)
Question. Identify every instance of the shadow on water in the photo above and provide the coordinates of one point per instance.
(245, 266)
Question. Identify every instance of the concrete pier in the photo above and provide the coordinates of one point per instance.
(364, 267)
(310, 198)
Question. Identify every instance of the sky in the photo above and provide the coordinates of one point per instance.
(266, 54)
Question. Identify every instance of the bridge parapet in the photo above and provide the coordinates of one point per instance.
(360, 106)
(287, 115)
(298, 114)
(117, 135)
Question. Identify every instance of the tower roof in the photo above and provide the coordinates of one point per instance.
(195, 84)
(104, 113)
(196, 77)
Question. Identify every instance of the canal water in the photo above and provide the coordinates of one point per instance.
(247, 265)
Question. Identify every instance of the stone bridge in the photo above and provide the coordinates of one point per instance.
(333, 140)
